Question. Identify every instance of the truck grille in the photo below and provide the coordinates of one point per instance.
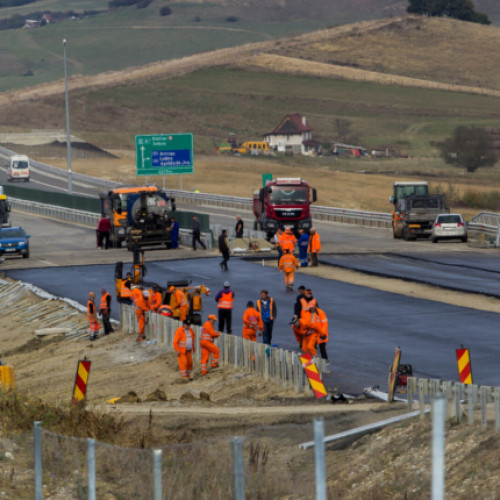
(284, 213)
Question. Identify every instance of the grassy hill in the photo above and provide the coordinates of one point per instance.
(130, 36)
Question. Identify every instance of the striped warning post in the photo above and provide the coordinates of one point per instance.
(82, 376)
(313, 375)
(393, 375)
(464, 366)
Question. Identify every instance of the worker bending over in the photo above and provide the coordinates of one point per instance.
(305, 334)
(141, 303)
(155, 299)
(184, 345)
(178, 303)
(316, 323)
(288, 263)
(252, 322)
(92, 317)
(208, 335)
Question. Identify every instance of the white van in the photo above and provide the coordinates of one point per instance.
(19, 168)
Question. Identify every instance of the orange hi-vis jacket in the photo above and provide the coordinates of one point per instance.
(314, 243)
(306, 304)
(288, 263)
(91, 311)
(155, 301)
(208, 332)
(141, 304)
(318, 322)
(306, 335)
(288, 241)
(252, 322)
(179, 303)
(226, 301)
(125, 291)
(104, 303)
(180, 338)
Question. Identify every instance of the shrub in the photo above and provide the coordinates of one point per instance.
(165, 11)
(231, 19)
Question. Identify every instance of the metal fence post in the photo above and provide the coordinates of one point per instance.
(438, 420)
(91, 468)
(319, 459)
(238, 468)
(157, 474)
(38, 460)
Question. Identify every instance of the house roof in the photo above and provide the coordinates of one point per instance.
(291, 125)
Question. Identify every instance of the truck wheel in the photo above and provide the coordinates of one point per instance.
(405, 235)
(434, 240)
(464, 239)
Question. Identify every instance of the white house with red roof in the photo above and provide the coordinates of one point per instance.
(293, 135)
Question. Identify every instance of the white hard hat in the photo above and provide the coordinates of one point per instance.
(226, 284)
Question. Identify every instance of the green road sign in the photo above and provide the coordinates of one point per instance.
(168, 154)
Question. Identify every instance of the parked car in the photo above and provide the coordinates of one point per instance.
(14, 240)
(449, 226)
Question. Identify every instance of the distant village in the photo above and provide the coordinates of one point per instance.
(292, 136)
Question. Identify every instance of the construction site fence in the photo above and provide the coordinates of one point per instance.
(466, 402)
(273, 364)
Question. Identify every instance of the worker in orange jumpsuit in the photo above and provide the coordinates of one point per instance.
(288, 263)
(321, 321)
(252, 322)
(92, 317)
(141, 302)
(316, 325)
(178, 303)
(184, 345)
(208, 334)
(288, 240)
(305, 333)
(314, 246)
(155, 299)
(306, 302)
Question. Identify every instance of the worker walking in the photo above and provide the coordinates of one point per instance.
(105, 311)
(155, 299)
(268, 312)
(314, 247)
(277, 242)
(197, 233)
(103, 230)
(208, 335)
(141, 302)
(225, 302)
(92, 317)
(303, 244)
(288, 263)
(183, 343)
(179, 303)
(224, 249)
(288, 240)
(252, 322)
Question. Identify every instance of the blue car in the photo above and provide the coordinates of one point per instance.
(14, 240)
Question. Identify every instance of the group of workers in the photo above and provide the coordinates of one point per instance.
(104, 311)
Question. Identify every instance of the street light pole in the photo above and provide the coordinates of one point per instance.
(68, 134)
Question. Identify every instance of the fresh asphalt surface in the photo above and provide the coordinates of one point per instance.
(461, 271)
(365, 325)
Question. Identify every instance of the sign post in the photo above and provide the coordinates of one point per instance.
(164, 154)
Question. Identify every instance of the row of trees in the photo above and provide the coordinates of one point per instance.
(457, 9)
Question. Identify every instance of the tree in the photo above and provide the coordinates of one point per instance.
(456, 9)
(469, 147)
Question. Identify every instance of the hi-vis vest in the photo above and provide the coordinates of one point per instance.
(206, 334)
(271, 303)
(91, 312)
(104, 302)
(226, 301)
(125, 291)
(306, 304)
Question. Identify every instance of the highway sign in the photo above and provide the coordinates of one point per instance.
(164, 154)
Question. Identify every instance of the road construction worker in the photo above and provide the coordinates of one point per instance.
(184, 345)
(125, 290)
(252, 322)
(297, 307)
(315, 323)
(268, 312)
(208, 334)
(314, 246)
(105, 311)
(225, 302)
(307, 302)
(155, 299)
(322, 322)
(288, 240)
(303, 244)
(277, 242)
(92, 317)
(141, 302)
(288, 263)
(179, 303)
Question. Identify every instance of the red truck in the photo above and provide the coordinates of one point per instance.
(283, 202)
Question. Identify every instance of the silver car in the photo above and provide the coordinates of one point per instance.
(449, 226)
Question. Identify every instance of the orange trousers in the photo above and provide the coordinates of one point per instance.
(185, 361)
(250, 336)
(183, 312)
(141, 319)
(309, 344)
(289, 277)
(208, 347)
(93, 327)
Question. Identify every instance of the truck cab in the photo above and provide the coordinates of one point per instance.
(283, 202)
(19, 168)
